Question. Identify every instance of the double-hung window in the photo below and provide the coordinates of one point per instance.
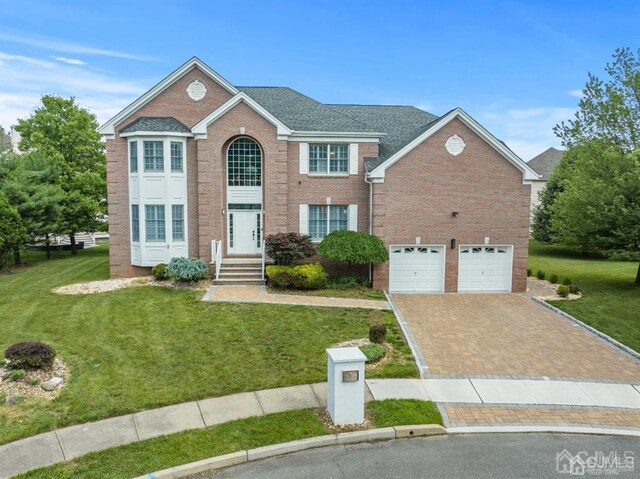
(176, 157)
(328, 159)
(153, 156)
(323, 219)
(155, 222)
(133, 156)
(177, 222)
(135, 223)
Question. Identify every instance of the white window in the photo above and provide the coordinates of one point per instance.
(153, 156)
(176, 157)
(177, 222)
(328, 159)
(323, 219)
(133, 156)
(135, 223)
(154, 222)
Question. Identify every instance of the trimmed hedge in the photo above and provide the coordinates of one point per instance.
(303, 276)
(159, 271)
(187, 269)
(30, 355)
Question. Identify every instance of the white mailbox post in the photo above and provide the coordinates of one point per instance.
(345, 390)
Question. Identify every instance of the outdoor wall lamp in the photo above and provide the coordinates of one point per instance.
(453, 243)
(454, 213)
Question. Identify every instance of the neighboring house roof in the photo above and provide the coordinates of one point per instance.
(156, 124)
(301, 113)
(400, 123)
(546, 162)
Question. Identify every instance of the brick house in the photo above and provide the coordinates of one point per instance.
(197, 159)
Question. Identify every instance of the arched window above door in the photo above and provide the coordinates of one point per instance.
(244, 163)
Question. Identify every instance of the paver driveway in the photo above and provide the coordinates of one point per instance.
(508, 334)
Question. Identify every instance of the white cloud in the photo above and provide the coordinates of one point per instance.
(527, 131)
(23, 80)
(70, 61)
(55, 44)
(575, 93)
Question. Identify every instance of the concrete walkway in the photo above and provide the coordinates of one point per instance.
(75, 441)
(258, 294)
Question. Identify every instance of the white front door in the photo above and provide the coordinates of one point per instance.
(245, 232)
(484, 268)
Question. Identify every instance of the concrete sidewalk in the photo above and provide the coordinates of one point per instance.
(258, 294)
(74, 441)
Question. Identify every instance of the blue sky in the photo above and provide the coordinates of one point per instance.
(517, 67)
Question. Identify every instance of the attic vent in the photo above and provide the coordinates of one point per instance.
(455, 145)
(196, 90)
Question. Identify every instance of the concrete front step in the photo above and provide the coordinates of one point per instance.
(239, 282)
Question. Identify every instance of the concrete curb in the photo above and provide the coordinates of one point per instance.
(219, 462)
(630, 352)
(421, 362)
(371, 435)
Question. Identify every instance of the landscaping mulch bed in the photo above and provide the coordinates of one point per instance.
(21, 387)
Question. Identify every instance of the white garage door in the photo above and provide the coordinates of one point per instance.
(416, 269)
(484, 268)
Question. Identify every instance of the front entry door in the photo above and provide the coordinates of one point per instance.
(245, 232)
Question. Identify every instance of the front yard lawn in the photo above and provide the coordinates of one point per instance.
(146, 347)
(611, 300)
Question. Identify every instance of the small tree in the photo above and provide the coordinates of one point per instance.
(285, 248)
(12, 232)
(353, 247)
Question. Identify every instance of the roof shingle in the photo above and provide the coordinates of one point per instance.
(156, 123)
(545, 162)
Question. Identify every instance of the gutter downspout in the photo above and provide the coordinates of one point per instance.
(370, 221)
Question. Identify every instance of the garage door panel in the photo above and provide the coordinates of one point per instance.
(416, 269)
(484, 268)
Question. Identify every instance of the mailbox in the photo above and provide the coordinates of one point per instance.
(345, 385)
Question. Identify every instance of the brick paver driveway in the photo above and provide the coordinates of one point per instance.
(508, 334)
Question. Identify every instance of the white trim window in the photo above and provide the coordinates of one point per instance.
(135, 223)
(153, 156)
(328, 159)
(154, 217)
(177, 157)
(177, 222)
(323, 219)
(133, 156)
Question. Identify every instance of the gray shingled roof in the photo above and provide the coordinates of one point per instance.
(545, 162)
(156, 123)
(400, 123)
(301, 113)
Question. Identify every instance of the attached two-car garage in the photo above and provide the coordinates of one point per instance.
(421, 268)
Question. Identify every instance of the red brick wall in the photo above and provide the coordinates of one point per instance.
(422, 189)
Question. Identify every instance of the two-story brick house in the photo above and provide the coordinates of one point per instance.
(197, 159)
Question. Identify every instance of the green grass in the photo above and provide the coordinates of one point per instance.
(360, 292)
(611, 299)
(184, 447)
(145, 347)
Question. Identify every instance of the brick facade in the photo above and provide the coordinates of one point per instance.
(416, 198)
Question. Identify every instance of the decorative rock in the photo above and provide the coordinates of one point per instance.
(10, 400)
(51, 384)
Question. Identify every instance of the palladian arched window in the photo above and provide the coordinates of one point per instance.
(244, 163)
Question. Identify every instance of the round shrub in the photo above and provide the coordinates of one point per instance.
(303, 276)
(563, 291)
(566, 281)
(373, 352)
(285, 248)
(30, 355)
(553, 278)
(378, 333)
(187, 269)
(573, 289)
(540, 274)
(159, 272)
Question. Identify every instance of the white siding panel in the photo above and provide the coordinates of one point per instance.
(304, 219)
(353, 217)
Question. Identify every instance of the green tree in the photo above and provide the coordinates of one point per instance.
(68, 136)
(12, 232)
(599, 207)
(353, 247)
(29, 182)
(609, 110)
